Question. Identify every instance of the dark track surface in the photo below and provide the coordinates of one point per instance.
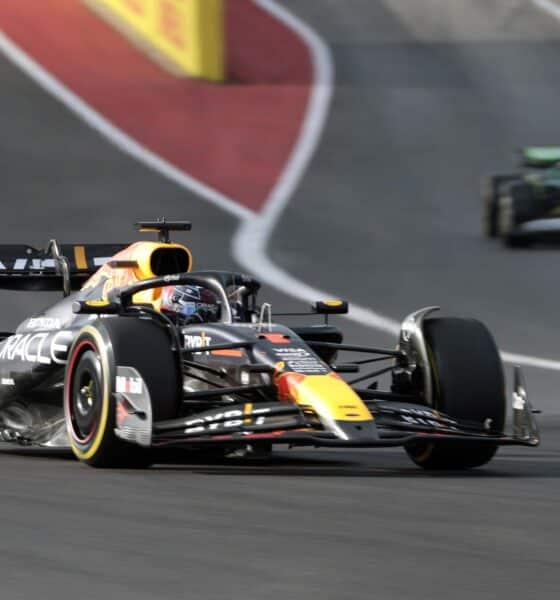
(60, 179)
(430, 96)
(409, 119)
(313, 524)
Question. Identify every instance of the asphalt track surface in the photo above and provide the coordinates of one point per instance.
(427, 99)
(430, 96)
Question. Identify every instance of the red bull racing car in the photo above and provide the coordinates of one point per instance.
(143, 353)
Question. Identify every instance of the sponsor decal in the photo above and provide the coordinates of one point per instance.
(41, 264)
(301, 360)
(197, 341)
(29, 264)
(129, 385)
(420, 416)
(42, 348)
(170, 23)
(228, 419)
(43, 323)
(187, 32)
(133, 409)
(424, 421)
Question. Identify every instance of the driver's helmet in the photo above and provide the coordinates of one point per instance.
(189, 304)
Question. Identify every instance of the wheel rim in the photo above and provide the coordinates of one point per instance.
(86, 396)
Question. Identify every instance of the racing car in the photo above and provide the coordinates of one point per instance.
(142, 353)
(523, 207)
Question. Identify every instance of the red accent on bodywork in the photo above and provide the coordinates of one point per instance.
(67, 387)
(285, 384)
(236, 137)
(229, 353)
(276, 338)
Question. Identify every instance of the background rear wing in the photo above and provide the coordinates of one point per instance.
(540, 157)
(60, 267)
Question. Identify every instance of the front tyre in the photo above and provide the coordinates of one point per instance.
(468, 385)
(89, 400)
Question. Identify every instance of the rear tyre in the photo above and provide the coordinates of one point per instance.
(89, 404)
(468, 385)
(490, 196)
(514, 209)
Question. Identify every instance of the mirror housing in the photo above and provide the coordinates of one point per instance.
(330, 307)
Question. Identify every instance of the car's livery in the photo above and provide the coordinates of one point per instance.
(107, 373)
(523, 207)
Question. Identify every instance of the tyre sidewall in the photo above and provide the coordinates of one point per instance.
(468, 385)
(92, 338)
(127, 341)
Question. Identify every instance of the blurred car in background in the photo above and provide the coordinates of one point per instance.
(142, 353)
(523, 207)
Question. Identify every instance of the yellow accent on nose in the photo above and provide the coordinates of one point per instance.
(330, 397)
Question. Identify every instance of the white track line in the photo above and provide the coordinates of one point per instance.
(251, 240)
(117, 137)
(250, 244)
(549, 6)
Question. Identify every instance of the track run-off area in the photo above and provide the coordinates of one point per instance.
(358, 178)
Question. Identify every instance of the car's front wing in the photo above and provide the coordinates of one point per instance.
(393, 424)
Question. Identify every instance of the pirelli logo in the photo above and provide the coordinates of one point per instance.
(187, 34)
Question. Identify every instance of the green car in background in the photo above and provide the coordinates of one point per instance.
(524, 207)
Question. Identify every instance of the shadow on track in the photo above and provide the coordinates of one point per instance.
(541, 463)
(328, 468)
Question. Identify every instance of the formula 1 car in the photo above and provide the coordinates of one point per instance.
(524, 207)
(107, 372)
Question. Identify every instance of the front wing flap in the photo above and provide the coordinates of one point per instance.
(395, 424)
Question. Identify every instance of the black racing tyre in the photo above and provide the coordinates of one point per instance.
(468, 384)
(490, 196)
(516, 208)
(89, 404)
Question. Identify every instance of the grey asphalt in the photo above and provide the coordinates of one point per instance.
(430, 95)
(314, 524)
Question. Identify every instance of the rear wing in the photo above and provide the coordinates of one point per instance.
(60, 267)
(540, 156)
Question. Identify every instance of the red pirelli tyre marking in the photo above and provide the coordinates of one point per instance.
(87, 446)
(68, 392)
